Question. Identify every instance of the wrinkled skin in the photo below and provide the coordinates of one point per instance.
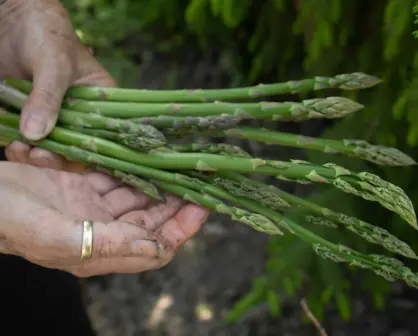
(38, 42)
(41, 194)
(131, 234)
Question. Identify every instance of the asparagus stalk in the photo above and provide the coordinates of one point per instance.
(217, 122)
(357, 148)
(352, 81)
(17, 99)
(276, 198)
(390, 268)
(329, 107)
(210, 148)
(142, 144)
(363, 184)
(142, 185)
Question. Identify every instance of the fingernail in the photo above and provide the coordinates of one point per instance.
(200, 214)
(34, 127)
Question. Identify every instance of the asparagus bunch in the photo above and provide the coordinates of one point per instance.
(127, 133)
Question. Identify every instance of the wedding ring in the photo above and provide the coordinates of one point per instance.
(87, 240)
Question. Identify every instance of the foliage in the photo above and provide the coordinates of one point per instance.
(275, 40)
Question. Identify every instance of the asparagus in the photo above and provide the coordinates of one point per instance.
(17, 99)
(276, 198)
(363, 184)
(142, 144)
(183, 186)
(217, 122)
(351, 81)
(329, 107)
(210, 148)
(357, 148)
(142, 185)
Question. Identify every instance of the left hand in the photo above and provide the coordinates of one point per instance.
(40, 209)
(38, 42)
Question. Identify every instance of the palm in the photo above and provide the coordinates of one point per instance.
(127, 223)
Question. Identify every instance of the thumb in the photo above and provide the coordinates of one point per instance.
(51, 79)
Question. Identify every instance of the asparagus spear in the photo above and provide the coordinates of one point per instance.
(210, 148)
(147, 187)
(142, 144)
(390, 268)
(363, 184)
(17, 99)
(352, 81)
(329, 107)
(217, 122)
(276, 198)
(358, 148)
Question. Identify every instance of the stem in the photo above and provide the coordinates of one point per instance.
(133, 141)
(330, 107)
(352, 81)
(357, 148)
(210, 148)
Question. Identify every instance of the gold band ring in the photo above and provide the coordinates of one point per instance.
(87, 239)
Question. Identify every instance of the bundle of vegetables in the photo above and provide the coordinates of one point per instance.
(128, 133)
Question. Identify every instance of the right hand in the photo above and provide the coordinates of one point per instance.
(40, 207)
(38, 42)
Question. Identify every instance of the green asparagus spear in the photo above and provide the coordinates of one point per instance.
(147, 187)
(363, 184)
(357, 148)
(330, 108)
(210, 148)
(17, 99)
(352, 81)
(217, 122)
(389, 268)
(276, 198)
(133, 141)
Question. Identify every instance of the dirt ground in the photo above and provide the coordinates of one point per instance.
(191, 295)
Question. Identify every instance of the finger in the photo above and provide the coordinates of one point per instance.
(59, 240)
(42, 158)
(187, 222)
(90, 72)
(18, 152)
(154, 217)
(127, 265)
(52, 75)
(125, 199)
(102, 183)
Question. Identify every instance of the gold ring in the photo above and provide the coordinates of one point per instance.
(87, 245)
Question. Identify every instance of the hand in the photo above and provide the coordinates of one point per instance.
(38, 42)
(40, 207)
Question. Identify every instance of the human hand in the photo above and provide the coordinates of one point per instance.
(40, 207)
(38, 42)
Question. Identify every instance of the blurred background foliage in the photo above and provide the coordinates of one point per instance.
(279, 40)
